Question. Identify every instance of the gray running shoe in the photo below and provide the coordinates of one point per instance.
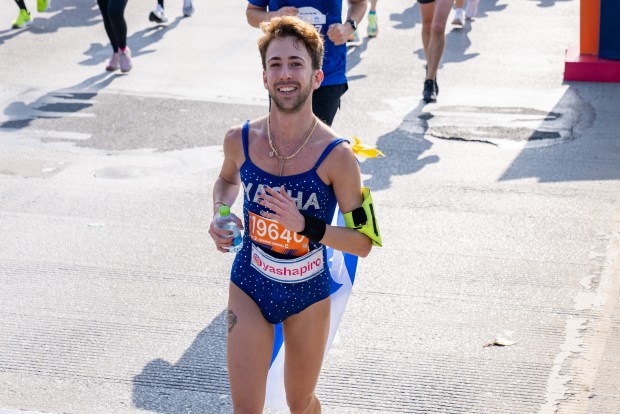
(188, 8)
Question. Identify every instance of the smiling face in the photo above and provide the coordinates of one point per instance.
(288, 74)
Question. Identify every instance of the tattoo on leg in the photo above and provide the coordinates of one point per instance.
(232, 320)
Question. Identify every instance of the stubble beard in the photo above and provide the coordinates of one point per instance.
(294, 106)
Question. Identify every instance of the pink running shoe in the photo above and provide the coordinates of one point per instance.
(114, 64)
(125, 58)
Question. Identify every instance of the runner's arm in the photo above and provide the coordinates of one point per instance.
(347, 184)
(228, 183)
(226, 187)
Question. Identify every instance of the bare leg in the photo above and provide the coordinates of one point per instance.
(437, 40)
(305, 335)
(373, 5)
(250, 342)
(427, 11)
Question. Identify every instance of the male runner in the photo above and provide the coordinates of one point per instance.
(293, 171)
(434, 17)
(325, 15)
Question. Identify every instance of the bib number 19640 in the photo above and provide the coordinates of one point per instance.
(271, 233)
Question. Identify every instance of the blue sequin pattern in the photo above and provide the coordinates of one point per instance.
(277, 300)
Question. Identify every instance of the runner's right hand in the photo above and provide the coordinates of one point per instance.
(222, 238)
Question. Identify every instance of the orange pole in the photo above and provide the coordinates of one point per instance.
(589, 25)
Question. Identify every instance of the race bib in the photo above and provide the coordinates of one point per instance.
(312, 16)
(272, 234)
(299, 269)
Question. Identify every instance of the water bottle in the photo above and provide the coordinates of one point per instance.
(225, 222)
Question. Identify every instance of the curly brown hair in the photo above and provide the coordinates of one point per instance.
(284, 26)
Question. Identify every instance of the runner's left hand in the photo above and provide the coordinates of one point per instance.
(283, 209)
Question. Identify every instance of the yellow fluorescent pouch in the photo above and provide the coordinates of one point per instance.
(363, 219)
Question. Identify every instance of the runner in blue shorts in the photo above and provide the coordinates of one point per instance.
(291, 170)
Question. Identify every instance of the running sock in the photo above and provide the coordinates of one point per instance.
(161, 3)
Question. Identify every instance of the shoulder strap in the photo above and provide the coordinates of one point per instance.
(245, 135)
(329, 149)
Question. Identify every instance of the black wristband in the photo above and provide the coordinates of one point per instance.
(314, 229)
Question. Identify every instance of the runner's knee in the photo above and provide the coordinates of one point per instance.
(438, 29)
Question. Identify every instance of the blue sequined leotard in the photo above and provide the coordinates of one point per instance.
(279, 300)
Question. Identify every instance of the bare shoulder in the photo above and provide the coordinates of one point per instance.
(233, 145)
(233, 135)
(340, 163)
(233, 140)
(342, 155)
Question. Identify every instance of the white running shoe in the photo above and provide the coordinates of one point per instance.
(472, 9)
(459, 18)
(188, 8)
(158, 15)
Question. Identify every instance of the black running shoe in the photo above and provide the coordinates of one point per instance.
(430, 92)
(158, 15)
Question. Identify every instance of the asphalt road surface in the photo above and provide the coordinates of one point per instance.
(499, 207)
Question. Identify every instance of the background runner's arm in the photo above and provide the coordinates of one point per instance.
(256, 15)
(356, 10)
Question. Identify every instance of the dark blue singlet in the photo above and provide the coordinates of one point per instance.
(277, 300)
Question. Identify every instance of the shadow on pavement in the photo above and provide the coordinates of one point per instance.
(196, 383)
(408, 18)
(403, 148)
(57, 104)
(489, 6)
(354, 57)
(592, 153)
(548, 3)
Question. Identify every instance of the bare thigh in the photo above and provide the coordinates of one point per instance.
(442, 11)
(250, 342)
(305, 336)
(427, 10)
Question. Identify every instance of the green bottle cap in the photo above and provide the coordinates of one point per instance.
(224, 210)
